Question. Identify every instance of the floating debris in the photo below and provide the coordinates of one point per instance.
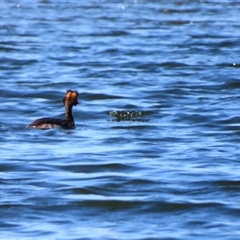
(130, 115)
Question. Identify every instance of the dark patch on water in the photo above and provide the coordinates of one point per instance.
(139, 116)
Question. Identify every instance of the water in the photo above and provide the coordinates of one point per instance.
(170, 173)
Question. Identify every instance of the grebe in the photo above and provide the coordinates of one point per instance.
(70, 100)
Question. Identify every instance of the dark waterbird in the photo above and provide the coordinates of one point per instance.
(70, 100)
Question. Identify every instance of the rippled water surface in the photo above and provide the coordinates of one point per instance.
(156, 149)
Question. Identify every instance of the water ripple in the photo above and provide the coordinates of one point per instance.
(155, 150)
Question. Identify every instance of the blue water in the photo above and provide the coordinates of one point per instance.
(156, 149)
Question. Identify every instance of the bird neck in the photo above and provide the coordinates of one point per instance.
(68, 112)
